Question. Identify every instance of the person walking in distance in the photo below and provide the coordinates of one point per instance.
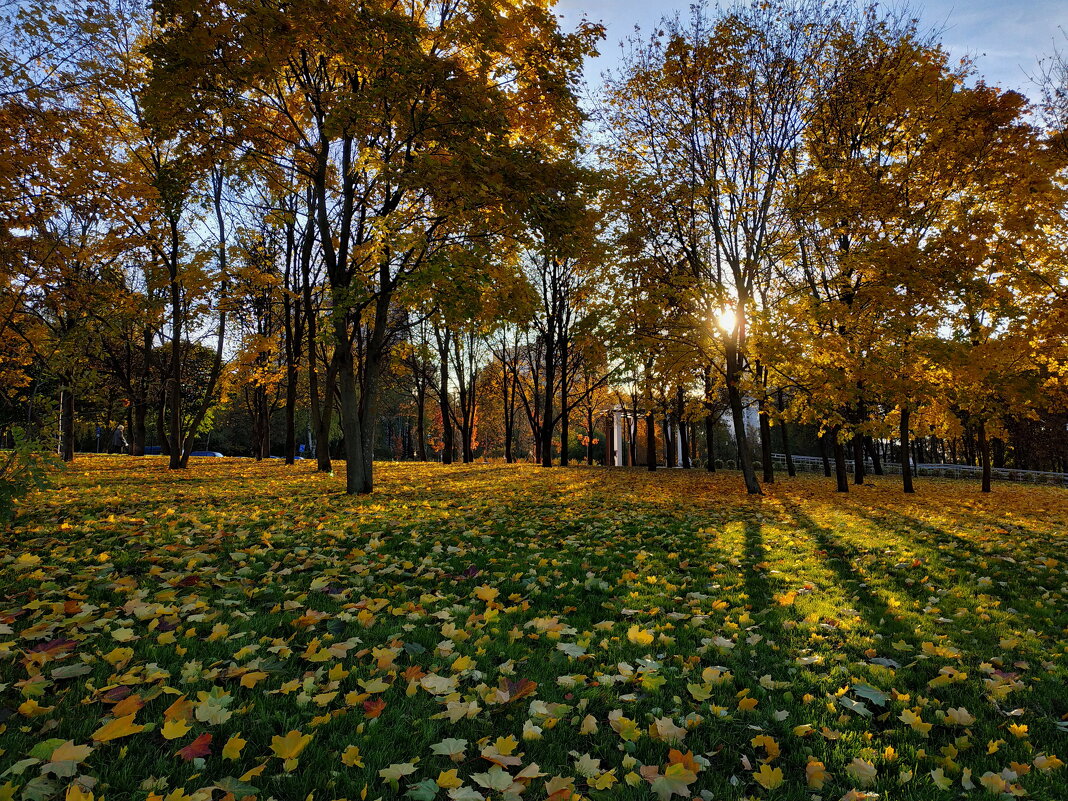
(118, 441)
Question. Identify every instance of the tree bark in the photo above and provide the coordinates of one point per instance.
(791, 470)
(66, 424)
(906, 465)
(710, 444)
(589, 435)
(547, 421)
(161, 426)
(447, 432)
(765, 442)
(741, 438)
(873, 451)
(840, 473)
(420, 417)
(984, 454)
(858, 458)
(824, 455)
(669, 442)
(565, 432)
(650, 440)
(138, 429)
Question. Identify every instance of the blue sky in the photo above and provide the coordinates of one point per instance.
(1006, 37)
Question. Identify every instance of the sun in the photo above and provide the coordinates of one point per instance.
(726, 319)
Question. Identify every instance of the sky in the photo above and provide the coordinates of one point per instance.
(1004, 37)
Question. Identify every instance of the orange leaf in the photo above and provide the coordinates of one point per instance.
(127, 706)
(179, 710)
(373, 709)
(200, 747)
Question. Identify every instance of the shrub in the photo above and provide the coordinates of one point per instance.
(730, 464)
(23, 468)
(719, 464)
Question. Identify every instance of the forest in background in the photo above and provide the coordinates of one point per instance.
(398, 230)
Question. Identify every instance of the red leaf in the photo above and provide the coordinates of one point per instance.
(373, 708)
(200, 747)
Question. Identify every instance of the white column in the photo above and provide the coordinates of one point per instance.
(617, 439)
(678, 445)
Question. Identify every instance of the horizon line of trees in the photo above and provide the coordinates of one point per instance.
(303, 221)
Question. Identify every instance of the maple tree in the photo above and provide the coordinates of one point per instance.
(706, 116)
(389, 187)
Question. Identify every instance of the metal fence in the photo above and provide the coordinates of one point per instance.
(815, 464)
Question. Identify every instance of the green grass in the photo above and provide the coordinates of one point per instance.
(802, 596)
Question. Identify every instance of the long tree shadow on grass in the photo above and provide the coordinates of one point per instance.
(873, 607)
(1013, 577)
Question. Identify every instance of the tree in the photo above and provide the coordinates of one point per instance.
(402, 127)
(705, 118)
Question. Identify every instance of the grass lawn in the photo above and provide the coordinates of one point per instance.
(494, 631)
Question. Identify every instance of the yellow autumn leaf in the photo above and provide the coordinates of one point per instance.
(290, 746)
(119, 727)
(604, 781)
(639, 636)
(31, 709)
(506, 745)
(816, 774)
(768, 777)
(173, 729)
(233, 747)
(449, 779)
(915, 721)
(69, 752)
(250, 679)
(462, 663)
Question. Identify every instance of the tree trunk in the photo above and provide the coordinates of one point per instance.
(291, 414)
(589, 435)
(565, 432)
(906, 465)
(323, 423)
(765, 440)
(873, 451)
(790, 469)
(669, 443)
(174, 406)
(984, 454)
(745, 459)
(710, 444)
(138, 429)
(650, 440)
(66, 424)
(824, 455)
(858, 458)
(547, 422)
(265, 426)
(631, 437)
(447, 431)
(508, 408)
(350, 426)
(840, 473)
(420, 416)
(680, 410)
(161, 427)
(734, 397)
